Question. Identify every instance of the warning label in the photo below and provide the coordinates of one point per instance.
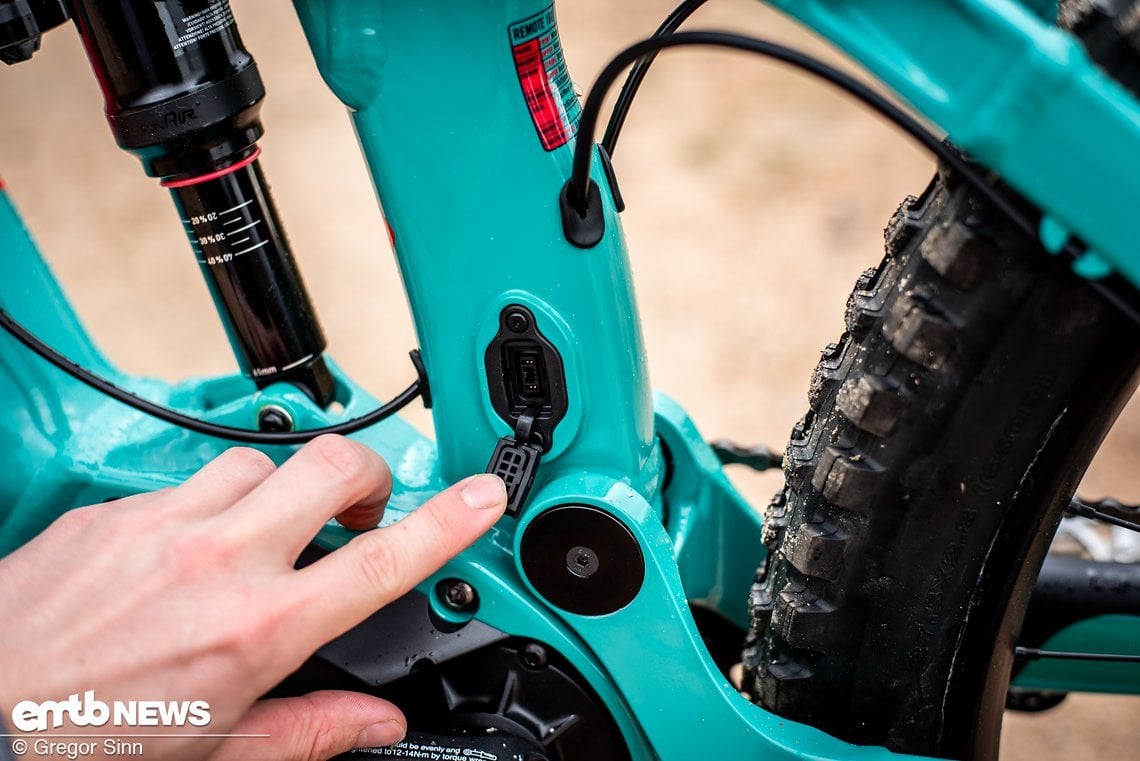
(411, 750)
(546, 84)
(199, 25)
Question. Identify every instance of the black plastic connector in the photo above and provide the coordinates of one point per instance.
(517, 464)
(528, 389)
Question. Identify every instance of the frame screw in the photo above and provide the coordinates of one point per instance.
(517, 322)
(458, 595)
(272, 418)
(582, 562)
(534, 656)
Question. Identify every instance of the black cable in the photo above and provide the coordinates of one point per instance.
(578, 186)
(1076, 507)
(633, 82)
(129, 398)
(577, 189)
(1034, 654)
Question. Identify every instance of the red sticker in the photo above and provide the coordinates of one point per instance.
(545, 82)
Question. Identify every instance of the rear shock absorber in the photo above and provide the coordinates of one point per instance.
(22, 24)
(184, 95)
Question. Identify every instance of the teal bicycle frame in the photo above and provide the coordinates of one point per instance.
(1029, 88)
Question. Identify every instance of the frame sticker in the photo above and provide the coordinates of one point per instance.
(545, 81)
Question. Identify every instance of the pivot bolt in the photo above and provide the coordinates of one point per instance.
(274, 419)
(457, 595)
(582, 562)
(517, 322)
(534, 656)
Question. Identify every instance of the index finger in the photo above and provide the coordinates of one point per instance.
(350, 584)
(331, 475)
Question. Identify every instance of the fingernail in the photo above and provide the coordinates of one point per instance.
(380, 734)
(484, 491)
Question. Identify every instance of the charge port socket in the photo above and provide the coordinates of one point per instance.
(524, 370)
(530, 377)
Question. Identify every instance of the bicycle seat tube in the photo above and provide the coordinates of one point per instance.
(467, 117)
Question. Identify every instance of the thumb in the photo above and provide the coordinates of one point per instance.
(313, 727)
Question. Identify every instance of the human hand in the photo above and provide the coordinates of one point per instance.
(190, 594)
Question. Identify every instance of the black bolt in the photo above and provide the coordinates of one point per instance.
(534, 656)
(582, 562)
(517, 321)
(458, 595)
(274, 419)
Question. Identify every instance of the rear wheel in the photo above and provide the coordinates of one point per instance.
(948, 428)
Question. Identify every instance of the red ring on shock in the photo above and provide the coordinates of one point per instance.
(216, 174)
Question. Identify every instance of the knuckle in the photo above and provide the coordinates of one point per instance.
(320, 740)
(248, 459)
(80, 518)
(350, 462)
(145, 511)
(378, 561)
(439, 523)
(308, 739)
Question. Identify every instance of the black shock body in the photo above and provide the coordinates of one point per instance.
(22, 24)
(184, 95)
(245, 258)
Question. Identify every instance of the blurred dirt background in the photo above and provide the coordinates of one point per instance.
(756, 197)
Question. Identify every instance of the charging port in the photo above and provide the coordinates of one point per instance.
(527, 367)
(524, 371)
